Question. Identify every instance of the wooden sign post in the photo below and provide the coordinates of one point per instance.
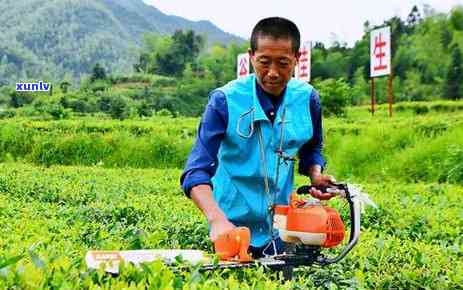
(372, 92)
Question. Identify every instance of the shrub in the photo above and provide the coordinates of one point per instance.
(5, 114)
(335, 96)
(421, 109)
(57, 111)
(119, 108)
(20, 99)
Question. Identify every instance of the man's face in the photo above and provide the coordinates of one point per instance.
(273, 62)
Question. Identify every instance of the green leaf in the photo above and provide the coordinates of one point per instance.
(13, 260)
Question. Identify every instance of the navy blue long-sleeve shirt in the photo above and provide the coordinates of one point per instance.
(202, 162)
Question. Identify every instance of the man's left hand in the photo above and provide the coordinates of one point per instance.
(325, 181)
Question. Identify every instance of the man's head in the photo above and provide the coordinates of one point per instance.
(274, 53)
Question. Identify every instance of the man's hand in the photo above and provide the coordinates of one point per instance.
(218, 222)
(219, 227)
(323, 180)
(320, 180)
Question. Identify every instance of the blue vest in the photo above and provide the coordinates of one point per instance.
(247, 154)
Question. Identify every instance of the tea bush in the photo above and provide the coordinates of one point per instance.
(51, 216)
(120, 190)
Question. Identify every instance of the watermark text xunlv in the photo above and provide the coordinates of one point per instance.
(32, 87)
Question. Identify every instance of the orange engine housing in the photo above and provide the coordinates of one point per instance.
(233, 245)
(309, 224)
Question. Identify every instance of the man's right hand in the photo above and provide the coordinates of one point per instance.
(220, 226)
(218, 222)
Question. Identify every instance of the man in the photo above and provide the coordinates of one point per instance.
(242, 162)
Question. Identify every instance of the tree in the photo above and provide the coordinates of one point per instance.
(187, 44)
(119, 108)
(169, 55)
(318, 64)
(454, 81)
(360, 88)
(404, 60)
(336, 64)
(216, 62)
(359, 58)
(335, 96)
(185, 49)
(20, 99)
(144, 109)
(414, 17)
(104, 104)
(366, 27)
(64, 86)
(456, 18)
(154, 46)
(398, 28)
(143, 63)
(169, 64)
(319, 45)
(98, 73)
(446, 36)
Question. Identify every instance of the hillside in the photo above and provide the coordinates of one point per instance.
(48, 39)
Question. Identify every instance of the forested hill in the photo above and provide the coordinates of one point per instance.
(47, 39)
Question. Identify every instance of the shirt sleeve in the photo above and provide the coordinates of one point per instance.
(311, 152)
(202, 161)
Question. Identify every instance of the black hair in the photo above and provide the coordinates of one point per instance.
(277, 28)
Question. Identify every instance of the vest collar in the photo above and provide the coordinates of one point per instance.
(259, 114)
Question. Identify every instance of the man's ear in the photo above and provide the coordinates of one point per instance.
(250, 52)
(251, 56)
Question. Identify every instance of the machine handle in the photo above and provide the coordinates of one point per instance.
(305, 189)
(335, 188)
(354, 201)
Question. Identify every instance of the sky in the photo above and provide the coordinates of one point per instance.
(325, 20)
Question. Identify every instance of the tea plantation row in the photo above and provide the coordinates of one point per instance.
(51, 216)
